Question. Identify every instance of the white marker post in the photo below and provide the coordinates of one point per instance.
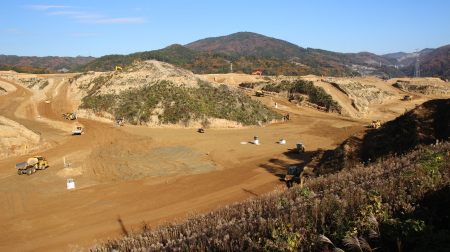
(70, 184)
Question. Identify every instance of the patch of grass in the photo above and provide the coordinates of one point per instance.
(43, 85)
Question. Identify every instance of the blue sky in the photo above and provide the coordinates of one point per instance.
(97, 27)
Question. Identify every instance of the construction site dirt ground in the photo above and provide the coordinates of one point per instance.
(130, 175)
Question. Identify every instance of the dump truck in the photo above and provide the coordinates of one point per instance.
(293, 175)
(77, 130)
(31, 165)
(69, 116)
(259, 93)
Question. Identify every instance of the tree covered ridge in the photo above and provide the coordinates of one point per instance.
(23, 69)
(49, 63)
(206, 62)
(165, 103)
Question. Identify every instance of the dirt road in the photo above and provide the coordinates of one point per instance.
(136, 174)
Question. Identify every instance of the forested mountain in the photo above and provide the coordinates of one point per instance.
(434, 63)
(370, 58)
(207, 62)
(246, 52)
(24, 69)
(406, 59)
(252, 44)
(396, 55)
(52, 63)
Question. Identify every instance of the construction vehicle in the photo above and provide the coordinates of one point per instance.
(300, 147)
(257, 73)
(376, 124)
(77, 130)
(293, 175)
(259, 93)
(31, 165)
(119, 122)
(69, 116)
(407, 98)
(47, 101)
(118, 68)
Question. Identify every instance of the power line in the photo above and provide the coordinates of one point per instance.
(417, 69)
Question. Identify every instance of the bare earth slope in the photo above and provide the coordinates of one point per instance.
(137, 174)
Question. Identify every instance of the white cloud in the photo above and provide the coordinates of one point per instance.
(13, 31)
(64, 13)
(88, 16)
(45, 7)
(84, 35)
(116, 21)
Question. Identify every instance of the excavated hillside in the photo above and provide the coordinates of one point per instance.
(427, 86)
(427, 124)
(424, 125)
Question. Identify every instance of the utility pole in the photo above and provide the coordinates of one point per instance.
(417, 69)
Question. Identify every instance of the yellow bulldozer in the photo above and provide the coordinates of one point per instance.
(376, 124)
(31, 165)
(69, 116)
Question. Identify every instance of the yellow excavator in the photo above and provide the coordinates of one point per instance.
(118, 68)
(69, 116)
